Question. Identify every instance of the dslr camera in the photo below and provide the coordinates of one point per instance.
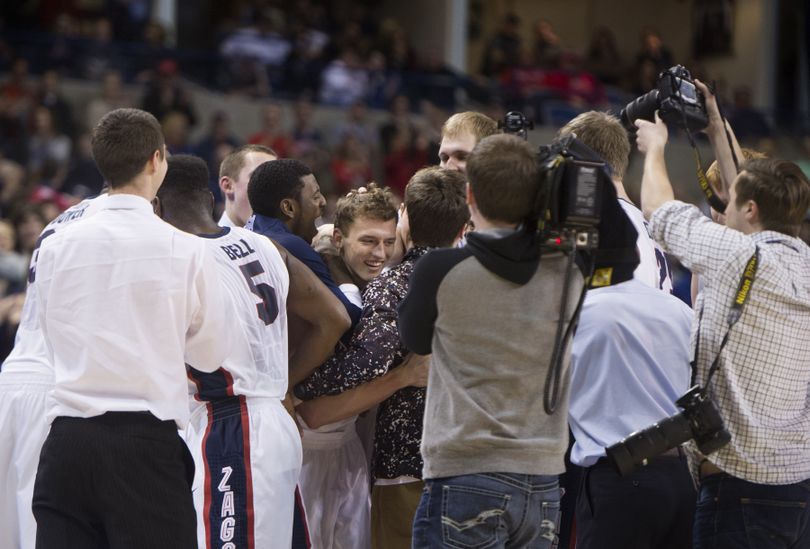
(699, 420)
(676, 99)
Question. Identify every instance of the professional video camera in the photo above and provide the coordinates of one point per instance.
(676, 99)
(576, 205)
(576, 211)
(699, 420)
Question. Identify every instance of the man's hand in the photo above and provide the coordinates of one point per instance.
(414, 370)
(715, 121)
(651, 137)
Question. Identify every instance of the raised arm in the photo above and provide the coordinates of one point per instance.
(310, 300)
(329, 409)
(656, 188)
(716, 130)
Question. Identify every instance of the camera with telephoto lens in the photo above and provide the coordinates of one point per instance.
(676, 99)
(699, 420)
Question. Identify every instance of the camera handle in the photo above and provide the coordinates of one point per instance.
(551, 391)
(740, 299)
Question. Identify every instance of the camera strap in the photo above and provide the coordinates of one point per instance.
(714, 201)
(740, 299)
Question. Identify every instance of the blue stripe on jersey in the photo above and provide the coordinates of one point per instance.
(212, 386)
(228, 499)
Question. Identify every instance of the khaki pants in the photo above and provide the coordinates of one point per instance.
(392, 510)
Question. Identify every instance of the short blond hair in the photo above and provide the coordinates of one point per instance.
(469, 122)
(605, 136)
(713, 172)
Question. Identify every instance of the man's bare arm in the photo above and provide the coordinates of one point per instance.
(716, 130)
(329, 409)
(325, 317)
(656, 188)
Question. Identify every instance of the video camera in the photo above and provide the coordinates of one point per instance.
(676, 99)
(576, 206)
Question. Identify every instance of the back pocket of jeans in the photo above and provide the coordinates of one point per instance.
(472, 517)
(772, 523)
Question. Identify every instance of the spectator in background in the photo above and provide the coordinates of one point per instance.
(398, 122)
(434, 81)
(112, 97)
(305, 61)
(504, 49)
(255, 49)
(13, 265)
(272, 133)
(358, 126)
(150, 51)
(50, 96)
(345, 80)
(218, 134)
(83, 179)
(16, 92)
(14, 144)
(547, 49)
(652, 58)
(28, 224)
(384, 82)
(351, 165)
(176, 130)
(749, 123)
(63, 51)
(308, 140)
(99, 53)
(603, 59)
(49, 150)
(166, 94)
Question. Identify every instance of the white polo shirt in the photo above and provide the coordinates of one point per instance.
(126, 301)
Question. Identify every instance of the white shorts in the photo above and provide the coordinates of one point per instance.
(23, 429)
(335, 487)
(247, 457)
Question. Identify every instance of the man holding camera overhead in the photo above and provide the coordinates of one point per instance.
(752, 353)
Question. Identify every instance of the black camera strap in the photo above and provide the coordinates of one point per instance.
(740, 299)
(714, 201)
(551, 391)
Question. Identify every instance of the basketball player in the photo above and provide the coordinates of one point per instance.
(234, 174)
(245, 444)
(606, 136)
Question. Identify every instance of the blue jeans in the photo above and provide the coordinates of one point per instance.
(488, 510)
(734, 513)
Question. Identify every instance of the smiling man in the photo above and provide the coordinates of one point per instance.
(286, 201)
(334, 476)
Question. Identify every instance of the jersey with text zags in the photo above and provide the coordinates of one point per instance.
(653, 267)
(30, 353)
(255, 277)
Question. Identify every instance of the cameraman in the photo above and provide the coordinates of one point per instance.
(754, 492)
(488, 313)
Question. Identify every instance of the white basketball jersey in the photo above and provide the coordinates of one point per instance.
(653, 267)
(255, 277)
(30, 353)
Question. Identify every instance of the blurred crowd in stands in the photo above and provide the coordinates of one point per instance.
(293, 56)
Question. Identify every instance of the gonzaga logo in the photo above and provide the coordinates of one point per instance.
(227, 511)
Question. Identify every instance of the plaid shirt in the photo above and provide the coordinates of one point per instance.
(762, 386)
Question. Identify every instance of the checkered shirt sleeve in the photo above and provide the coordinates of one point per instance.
(762, 386)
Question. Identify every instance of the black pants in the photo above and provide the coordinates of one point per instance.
(120, 481)
(653, 508)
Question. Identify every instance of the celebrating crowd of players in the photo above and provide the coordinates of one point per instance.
(292, 360)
